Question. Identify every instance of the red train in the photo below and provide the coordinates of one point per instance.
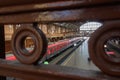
(54, 47)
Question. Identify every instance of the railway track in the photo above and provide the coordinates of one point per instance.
(66, 53)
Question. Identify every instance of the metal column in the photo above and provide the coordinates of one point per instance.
(2, 46)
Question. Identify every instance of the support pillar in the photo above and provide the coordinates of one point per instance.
(2, 46)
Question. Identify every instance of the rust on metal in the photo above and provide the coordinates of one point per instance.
(97, 41)
(84, 14)
(25, 2)
(2, 46)
(46, 11)
(18, 44)
(24, 11)
(49, 72)
(11, 6)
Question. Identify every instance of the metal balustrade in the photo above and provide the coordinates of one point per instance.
(38, 11)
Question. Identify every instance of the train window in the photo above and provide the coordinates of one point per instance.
(48, 51)
(52, 50)
(56, 48)
(112, 48)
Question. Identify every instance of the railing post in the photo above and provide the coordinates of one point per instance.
(2, 46)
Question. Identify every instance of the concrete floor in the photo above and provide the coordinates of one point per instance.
(79, 58)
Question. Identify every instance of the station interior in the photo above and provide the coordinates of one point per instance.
(60, 40)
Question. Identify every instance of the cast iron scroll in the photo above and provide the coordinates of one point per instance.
(90, 10)
(107, 64)
(18, 47)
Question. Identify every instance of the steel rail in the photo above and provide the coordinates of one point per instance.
(27, 11)
(63, 54)
(24, 2)
(11, 6)
(51, 72)
(84, 14)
